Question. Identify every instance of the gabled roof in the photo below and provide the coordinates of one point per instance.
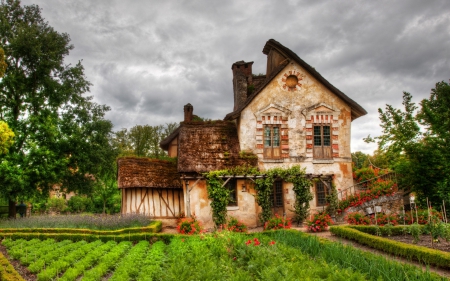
(356, 109)
(164, 144)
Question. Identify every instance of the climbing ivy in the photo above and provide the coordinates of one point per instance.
(264, 186)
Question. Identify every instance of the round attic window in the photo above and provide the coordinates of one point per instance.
(291, 81)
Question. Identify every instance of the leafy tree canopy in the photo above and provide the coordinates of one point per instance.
(6, 137)
(61, 134)
(416, 143)
(2, 63)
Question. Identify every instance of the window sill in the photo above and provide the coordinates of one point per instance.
(232, 208)
(323, 161)
(281, 160)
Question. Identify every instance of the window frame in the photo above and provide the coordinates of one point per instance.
(322, 142)
(277, 195)
(275, 151)
(232, 187)
(326, 185)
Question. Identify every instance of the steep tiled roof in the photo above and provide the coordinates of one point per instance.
(356, 109)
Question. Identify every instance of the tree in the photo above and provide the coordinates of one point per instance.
(2, 63)
(106, 189)
(61, 135)
(420, 156)
(6, 137)
(143, 141)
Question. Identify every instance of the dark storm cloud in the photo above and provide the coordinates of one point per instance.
(146, 59)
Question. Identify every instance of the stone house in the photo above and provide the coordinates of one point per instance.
(289, 116)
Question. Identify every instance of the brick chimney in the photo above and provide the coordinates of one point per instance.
(188, 112)
(242, 78)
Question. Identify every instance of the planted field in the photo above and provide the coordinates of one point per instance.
(279, 255)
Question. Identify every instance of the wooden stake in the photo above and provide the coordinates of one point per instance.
(445, 212)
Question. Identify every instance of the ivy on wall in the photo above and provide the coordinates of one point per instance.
(296, 175)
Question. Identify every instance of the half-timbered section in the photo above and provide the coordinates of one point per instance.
(150, 187)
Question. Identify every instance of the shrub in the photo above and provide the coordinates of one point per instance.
(357, 219)
(57, 205)
(189, 226)
(422, 216)
(234, 225)
(79, 204)
(319, 222)
(277, 222)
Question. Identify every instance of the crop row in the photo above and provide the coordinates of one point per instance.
(282, 255)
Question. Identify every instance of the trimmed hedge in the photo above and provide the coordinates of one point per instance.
(412, 252)
(372, 229)
(154, 227)
(7, 271)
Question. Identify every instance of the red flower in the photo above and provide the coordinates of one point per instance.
(272, 243)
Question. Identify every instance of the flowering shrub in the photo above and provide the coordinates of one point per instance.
(379, 188)
(255, 241)
(383, 219)
(320, 222)
(236, 226)
(358, 219)
(277, 222)
(189, 226)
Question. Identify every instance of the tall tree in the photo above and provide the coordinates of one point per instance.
(420, 156)
(61, 135)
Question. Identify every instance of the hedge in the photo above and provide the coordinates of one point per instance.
(7, 271)
(154, 227)
(374, 230)
(412, 252)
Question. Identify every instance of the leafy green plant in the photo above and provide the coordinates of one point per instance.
(415, 230)
(277, 222)
(189, 226)
(57, 205)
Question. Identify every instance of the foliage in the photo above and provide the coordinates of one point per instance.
(87, 221)
(80, 204)
(107, 197)
(421, 217)
(416, 141)
(189, 226)
(277, 222)
(264, 187)
(319, 222)
(384, 219)
(218, 256)
(57, 205)
(6, 137)
(357, 219)
(3, 64)
(143, 140)
(413, 252)
(332, 202)
(61, 134)
(7, 271)
(415, 230)
(234, 225)
(380, 188)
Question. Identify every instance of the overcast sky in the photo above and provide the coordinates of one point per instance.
(146, 59)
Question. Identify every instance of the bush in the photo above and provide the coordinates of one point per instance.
(80, 204)
(357, 219)
(319, 222)
(277, 222)
(234, 225)
(189, 226)
(57, 205)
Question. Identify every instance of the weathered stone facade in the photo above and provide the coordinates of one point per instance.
(289, 116)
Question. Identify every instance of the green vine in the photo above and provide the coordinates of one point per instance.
(264, 187)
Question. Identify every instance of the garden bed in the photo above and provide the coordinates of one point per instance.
(425, 241)
(216, 256)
